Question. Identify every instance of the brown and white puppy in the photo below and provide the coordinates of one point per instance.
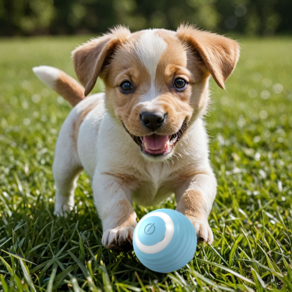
(144, 138)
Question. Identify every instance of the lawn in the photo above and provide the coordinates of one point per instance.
(250, 129)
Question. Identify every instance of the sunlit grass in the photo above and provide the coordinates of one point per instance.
(250, 140)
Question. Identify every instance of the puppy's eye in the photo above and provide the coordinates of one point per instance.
(180, 84)
(126, 86)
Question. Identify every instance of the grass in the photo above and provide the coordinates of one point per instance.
(250, 141)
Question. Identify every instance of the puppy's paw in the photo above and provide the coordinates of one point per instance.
(62, 210)
(203, 230)
(63, 205)
(120, 238)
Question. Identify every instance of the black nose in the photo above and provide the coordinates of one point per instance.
(152, 121)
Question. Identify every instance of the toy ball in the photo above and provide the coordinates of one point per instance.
(164, 240)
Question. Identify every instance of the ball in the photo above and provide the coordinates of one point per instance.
(164, 240)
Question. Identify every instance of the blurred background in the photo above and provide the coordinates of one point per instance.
(249, 17)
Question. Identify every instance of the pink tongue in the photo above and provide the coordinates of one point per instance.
(156, 142)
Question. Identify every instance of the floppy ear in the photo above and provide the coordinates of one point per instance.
(219, 54)
(90, 58)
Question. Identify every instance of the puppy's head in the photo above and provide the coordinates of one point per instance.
(156, 81)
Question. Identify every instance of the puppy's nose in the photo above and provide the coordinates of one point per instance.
(152, 121)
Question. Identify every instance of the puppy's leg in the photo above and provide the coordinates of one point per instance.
(194, 199)
(66, 168)
(112, 199)
(65, 174)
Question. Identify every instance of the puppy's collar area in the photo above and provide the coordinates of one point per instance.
(158, 145)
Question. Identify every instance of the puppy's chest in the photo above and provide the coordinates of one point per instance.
(153, 186)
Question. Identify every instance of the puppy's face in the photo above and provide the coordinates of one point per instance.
(156, 84)
(150, 86)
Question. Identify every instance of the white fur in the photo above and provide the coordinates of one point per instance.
(67, 163)
(89, 132)
(47, 75)
(149, 48)
(66, 168)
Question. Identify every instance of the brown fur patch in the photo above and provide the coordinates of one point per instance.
(123, 178)
(125, 214)
(192, 204)
(220, 54)
(187, 174)
(69, 88)
(90, 58)
(77, 123)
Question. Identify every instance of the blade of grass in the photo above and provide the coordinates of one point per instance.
(84, 271)
(228, 270)
(61, 276)
(17, 256)
(4, 284)
(260, 285)
(52, 277)
(75, 285)
(14, 277)
(79, 263)
(105, 278)
(26, 274)
(233, 250)
(140, 282)
(210, 282)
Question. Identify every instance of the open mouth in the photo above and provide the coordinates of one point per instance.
(159, 145)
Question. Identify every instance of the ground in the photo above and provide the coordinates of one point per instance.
(249, 126)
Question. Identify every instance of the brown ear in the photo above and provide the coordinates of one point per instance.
(219, 54)
(90, 58)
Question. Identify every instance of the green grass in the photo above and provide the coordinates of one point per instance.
(250, 141)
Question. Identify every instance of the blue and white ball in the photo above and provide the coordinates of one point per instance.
(164, 240)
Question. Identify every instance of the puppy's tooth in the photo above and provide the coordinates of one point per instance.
(167, 145)
(146, 146)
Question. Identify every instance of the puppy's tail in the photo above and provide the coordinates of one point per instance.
(62, 83)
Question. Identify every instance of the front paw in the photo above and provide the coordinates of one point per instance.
(120, 238)
(203, 230)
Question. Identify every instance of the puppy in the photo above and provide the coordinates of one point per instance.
(143, 139)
